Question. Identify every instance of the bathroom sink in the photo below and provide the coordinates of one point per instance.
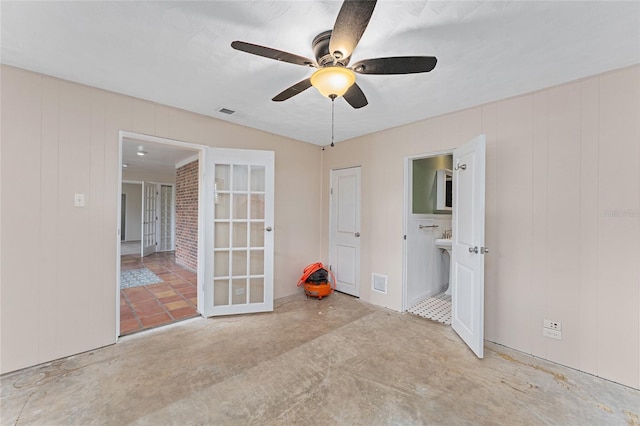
(443, 243)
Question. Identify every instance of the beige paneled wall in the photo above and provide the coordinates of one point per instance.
(563, 212)
(58, 264)
(618, 235)
(562, 216)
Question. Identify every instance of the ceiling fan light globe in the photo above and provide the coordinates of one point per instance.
(333, 80)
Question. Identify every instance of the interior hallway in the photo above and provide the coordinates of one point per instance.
(334, 361)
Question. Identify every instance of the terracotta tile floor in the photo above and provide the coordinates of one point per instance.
(163, 303)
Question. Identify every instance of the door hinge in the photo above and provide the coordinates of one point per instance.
(331, 191)
(405, 237)
(330, 267)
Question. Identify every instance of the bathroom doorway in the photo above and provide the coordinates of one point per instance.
(427, 220)
(427, 247)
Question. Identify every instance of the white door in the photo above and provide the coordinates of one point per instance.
(149, 218)
(166, 209)
(239, 233)
(467, 300)
(344, 230)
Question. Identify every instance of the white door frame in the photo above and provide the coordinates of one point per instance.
(123, 218)
(408, 186)
(122, 135)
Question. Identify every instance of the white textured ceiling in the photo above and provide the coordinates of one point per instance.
(159, 158)
(179, 54)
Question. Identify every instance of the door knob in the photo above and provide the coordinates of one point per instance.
(268, 229)
(473, 250)
(484, 250)
(357, 234)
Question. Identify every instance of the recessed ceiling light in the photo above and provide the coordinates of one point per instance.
(141, 152)
(125, 165)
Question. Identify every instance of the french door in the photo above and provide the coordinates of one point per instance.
(149, 218)
(165, 221)
(239, 233)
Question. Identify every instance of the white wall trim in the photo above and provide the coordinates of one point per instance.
(187, 161)
(154, 139)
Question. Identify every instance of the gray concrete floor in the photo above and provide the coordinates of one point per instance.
(334, 361)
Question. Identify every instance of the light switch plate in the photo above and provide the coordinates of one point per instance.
(78, 200)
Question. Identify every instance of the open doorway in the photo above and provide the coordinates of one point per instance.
(462, 240)
(158, 264)
(428, 218)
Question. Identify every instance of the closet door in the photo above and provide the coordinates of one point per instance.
(344, 229)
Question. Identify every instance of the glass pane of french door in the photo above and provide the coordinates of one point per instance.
(239, 234)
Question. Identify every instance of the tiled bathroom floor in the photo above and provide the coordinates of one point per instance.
(163, 303)
(436, 308)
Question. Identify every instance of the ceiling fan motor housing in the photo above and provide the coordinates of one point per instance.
(320, 47)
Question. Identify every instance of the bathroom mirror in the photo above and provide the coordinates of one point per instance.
(444, 189)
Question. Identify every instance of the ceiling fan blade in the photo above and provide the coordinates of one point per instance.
(270, 53)
(301, 86)
(396, 65)
(355, 97)
(351, 22)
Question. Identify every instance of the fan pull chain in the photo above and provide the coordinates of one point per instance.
(333, 116)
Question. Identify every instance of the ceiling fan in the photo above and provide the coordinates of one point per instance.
(332, 50)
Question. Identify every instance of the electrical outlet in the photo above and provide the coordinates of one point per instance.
(553, 325)
(554, 334)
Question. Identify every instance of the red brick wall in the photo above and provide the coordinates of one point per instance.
(187, 216)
